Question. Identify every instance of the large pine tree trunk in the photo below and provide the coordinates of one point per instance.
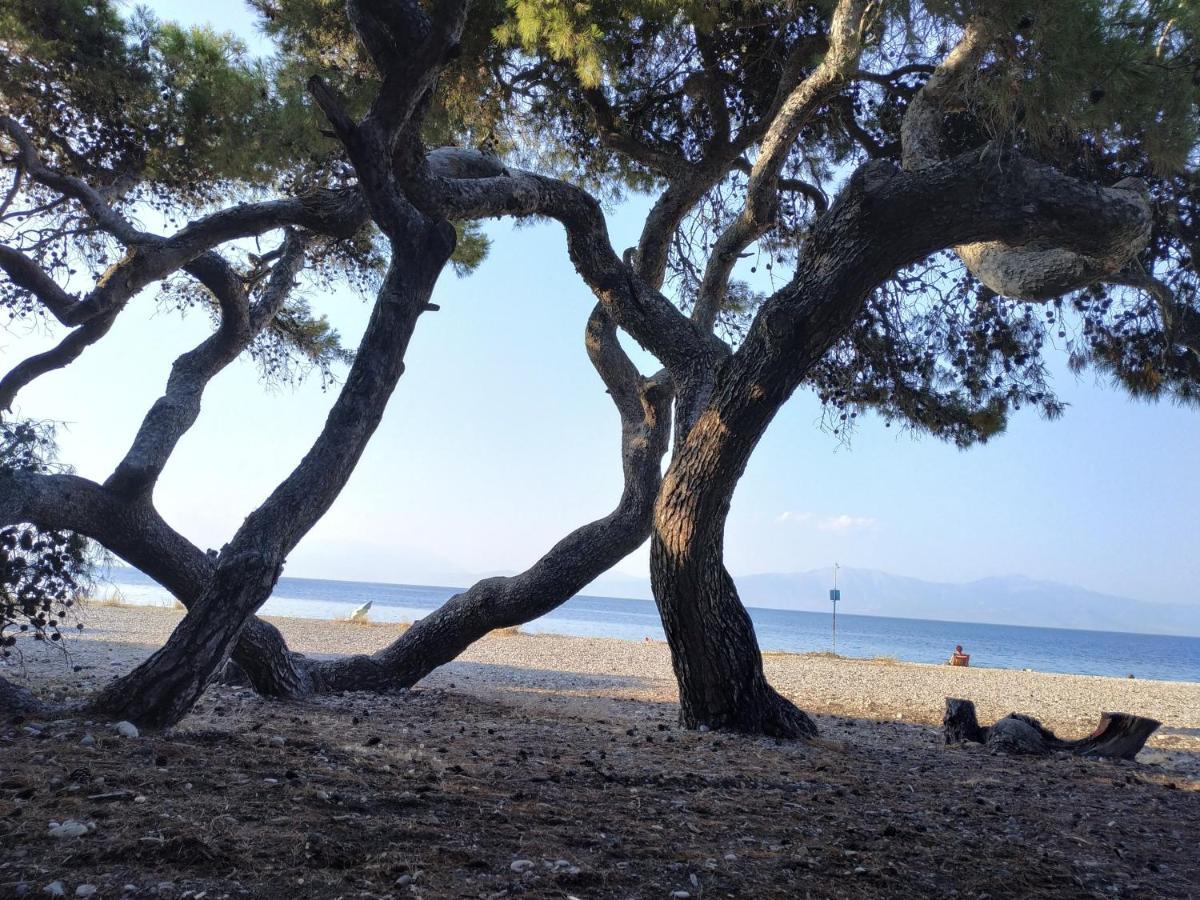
(714, 652)
(722, 414)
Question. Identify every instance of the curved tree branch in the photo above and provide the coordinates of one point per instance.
(163, 688)
(652, 320)
(762, 190)
(28, 275)
(62, 354)
(134, 531)
(1181, 322)
(178, 408)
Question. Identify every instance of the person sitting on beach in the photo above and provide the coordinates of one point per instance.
(959, 658)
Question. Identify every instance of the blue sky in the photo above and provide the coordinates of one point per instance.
(500, 439)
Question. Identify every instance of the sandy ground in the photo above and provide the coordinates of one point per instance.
(543, 766)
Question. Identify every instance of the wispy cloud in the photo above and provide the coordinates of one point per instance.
(794, 517)
(845, 523)
(842, 523)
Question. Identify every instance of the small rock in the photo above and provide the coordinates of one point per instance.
(521, 865)
(55, 889)
(68, 829)
(702, 729)
(85, 890)
(278, 741)
(680, 895)
(87, 741)
(126, 729)
(404, 881)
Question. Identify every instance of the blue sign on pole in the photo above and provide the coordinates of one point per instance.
(835, 595)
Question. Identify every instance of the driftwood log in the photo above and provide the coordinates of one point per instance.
(1118, 736)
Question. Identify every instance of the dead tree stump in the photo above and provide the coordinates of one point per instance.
(960, 723)
(1118, 736)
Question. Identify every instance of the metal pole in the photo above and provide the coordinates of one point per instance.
(835, 595)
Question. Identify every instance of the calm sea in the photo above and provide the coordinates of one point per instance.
(915, 640)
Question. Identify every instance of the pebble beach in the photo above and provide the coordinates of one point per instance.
(115, 638)
(432, 792)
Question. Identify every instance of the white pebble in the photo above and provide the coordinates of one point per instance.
(68, 829)
(126, 729)
(521, 865)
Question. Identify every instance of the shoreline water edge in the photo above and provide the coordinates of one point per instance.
(1020, 647)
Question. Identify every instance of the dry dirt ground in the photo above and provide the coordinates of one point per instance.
(442, 793)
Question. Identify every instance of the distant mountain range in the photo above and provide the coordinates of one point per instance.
(1003, 600)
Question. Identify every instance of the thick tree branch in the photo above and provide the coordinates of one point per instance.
(887, 219)
(132, 530)
(160, 690)
(921, 130)
(76, 188)
(1038, 268)
(28, 275)
(420, 47)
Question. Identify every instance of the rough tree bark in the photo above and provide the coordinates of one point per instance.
(1008, 219)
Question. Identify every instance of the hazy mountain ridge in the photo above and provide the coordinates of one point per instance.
(1003, 600)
